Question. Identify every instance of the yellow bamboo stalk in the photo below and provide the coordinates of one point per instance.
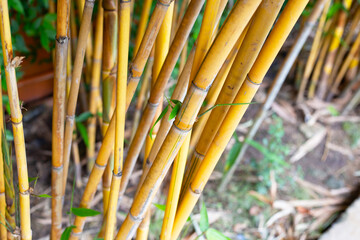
(89, 43)
(94, 86)
(135, 72)
(174, 190)
(142, 94)
(3, 230)
(353, 68)
(247, 91)
(161, 49)
(120, 112)
(345, 47)
(145, 12)
(158, 89)
(75, 85)
(178, 94)
(230, 32)
(61, 60)
(314, 52)
(214, 92)
(344, 67)
(10, 63)
(259, 28)
(143, 230)
(108, 78)
(318, 67)
(325, 83)
(204, 39)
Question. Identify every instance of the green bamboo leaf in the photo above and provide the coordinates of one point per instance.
(223, 104)
(83, 133)
(335, 8)
(204, 218)
(332, 110)
(17, 6)
(213, 234)
(84, 212)
(160, 206)
(9, 135)
(233, 153)
(43, 196)
(66, 234)
(158, 119)
(83, 117)
(175, 110)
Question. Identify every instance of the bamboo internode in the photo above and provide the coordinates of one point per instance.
(10, 63)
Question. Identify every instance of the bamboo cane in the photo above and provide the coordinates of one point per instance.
(235, 24)
(178, 94)
(344, 67)
(318, 67)
(9, 187)
(353, 68)
(214, 92)
(161, 49)
(94, 87)
(142, 94)
(89, 44)
(267, 55)
(344, 48)
(108, 83)
(75, 84)
(145, 12)
(158, 89)
(74, 144)
(325, 83)
(73, 29)
(143, 230)
(123, 52)
(275, 88)
(10, 63)
(258, 30)
(3, 230)
(174, 190)
(315, 49)
(206, 30)
(61, 59)
(135, 72)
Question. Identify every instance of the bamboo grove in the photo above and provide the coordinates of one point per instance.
(178, 136)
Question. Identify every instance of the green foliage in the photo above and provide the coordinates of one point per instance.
(81, 127)
(204, 219)
(274, 152)
(161, 207)
(66, 234)
(353, 131)
(234, 152)
(84, 212)
(333, 110)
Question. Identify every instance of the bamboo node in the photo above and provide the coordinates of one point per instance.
(167, 3)
(199, 88)
(70, 117)
(251, 81)
(117, 175)
(181, 130)
(153, 105)
(100, 166)
(199, 154)
(196, 191)
(57, 169)
(135, 219)
(16, 121)
(62, 40)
